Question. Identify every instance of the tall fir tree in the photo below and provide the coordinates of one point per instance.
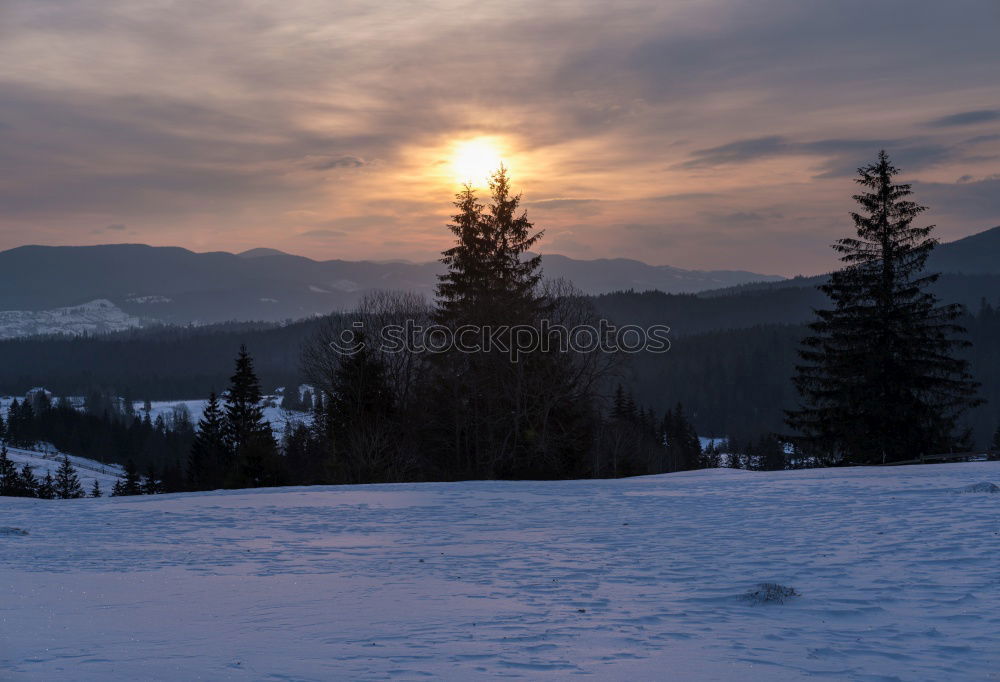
(490, 278)
(248, 434)
(500, 418)
(210, 456)
(879, 379)
(67, 483)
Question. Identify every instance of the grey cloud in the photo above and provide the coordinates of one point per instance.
(117, 227)
(800, 45)
(840, 157)
(966, 118)
(741, 151)
(742, 217)
(362, 221)
(560, 203)
(905, 155)
(338, 162)
(976, 202)
(323, 233)
(576, 207)
(683, 197)
(980, 139)
(650, 235)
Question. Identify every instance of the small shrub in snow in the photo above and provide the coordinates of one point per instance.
(983, 487)
(770, 593)
(11, 530)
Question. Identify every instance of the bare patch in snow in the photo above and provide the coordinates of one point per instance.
(11, 530)
(770, 593)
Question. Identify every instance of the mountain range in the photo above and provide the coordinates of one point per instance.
(175, 285)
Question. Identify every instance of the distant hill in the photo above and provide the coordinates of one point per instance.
(175, 285)
(977, 254)
(257, 253)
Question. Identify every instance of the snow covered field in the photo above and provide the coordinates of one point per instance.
(636, 579)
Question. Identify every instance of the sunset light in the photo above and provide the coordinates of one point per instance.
(473, 161)
(465, 340)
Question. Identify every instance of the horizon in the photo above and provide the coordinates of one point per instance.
(714, 136)
(691, 267)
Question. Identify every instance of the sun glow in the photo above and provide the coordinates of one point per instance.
(473, 161)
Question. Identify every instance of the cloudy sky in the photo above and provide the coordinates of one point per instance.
(701, 134)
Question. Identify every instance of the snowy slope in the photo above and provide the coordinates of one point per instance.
(94, 317)
(87, 470)
(637, 579)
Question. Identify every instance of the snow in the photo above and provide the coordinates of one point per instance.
(93, 317)
(895, 577)
(277, 417)
(87, 470)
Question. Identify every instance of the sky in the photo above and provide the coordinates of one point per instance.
(708, 134)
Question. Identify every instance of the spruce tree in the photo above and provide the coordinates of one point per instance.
(210, 456)
(498, 417)
(27, 483)
(879, 379)
(771, 454)
(95, 490)
(9, 483)
(67, 483)
(16, 427)
(151, 482)
(490, 279)
(47, 488)
(129, 483)
(248, 435)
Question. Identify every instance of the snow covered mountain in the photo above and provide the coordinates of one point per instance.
(878, 573)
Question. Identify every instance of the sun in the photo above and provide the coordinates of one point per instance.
(473, 161)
